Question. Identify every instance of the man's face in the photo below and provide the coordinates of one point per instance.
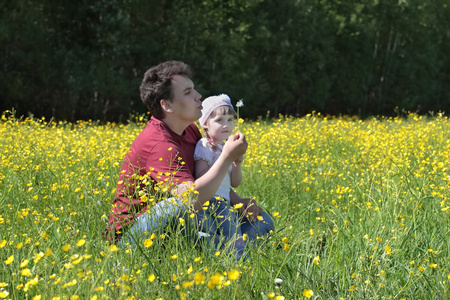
(186, 104)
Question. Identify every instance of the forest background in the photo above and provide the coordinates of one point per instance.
(79, 60)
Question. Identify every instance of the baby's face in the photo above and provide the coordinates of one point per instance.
(220, 127)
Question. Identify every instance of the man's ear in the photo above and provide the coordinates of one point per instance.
(166, 105)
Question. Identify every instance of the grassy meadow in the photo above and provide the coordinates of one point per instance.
(361, 209)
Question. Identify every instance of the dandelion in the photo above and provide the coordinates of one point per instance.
(239, 104)
(278, 281)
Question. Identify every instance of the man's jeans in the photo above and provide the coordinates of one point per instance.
(208, 228)
(154, 220)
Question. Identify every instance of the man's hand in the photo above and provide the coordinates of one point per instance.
(250, 209)
(235, 147)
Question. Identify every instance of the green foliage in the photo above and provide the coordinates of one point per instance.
(84, 59)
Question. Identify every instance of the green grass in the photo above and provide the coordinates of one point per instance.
(361, 211)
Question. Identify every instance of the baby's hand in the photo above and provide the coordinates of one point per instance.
(236, 146)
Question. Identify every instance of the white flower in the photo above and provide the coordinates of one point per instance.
(278, 281)
(240, 103)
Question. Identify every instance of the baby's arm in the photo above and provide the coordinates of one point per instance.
(236, 173)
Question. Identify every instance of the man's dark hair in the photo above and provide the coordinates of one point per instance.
(157, 84)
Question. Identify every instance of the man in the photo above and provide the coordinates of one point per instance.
(156, 181)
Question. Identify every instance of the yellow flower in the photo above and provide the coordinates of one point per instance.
(81, 243)
(388, 250)
(181, 221)
(9, 260)
(271, 295)
(174, 256)
(187, 284)
(148, 243)
(233, 274)
(66, 247)
(216, 279)
(24, 263)
(151, 278)
(113, 248)
(316, 260)
(239, 205)
(25, 272)
(19, 245)
(3, 294)
(37, 297)
(244, 237)
(308, 293)
(199, 278)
